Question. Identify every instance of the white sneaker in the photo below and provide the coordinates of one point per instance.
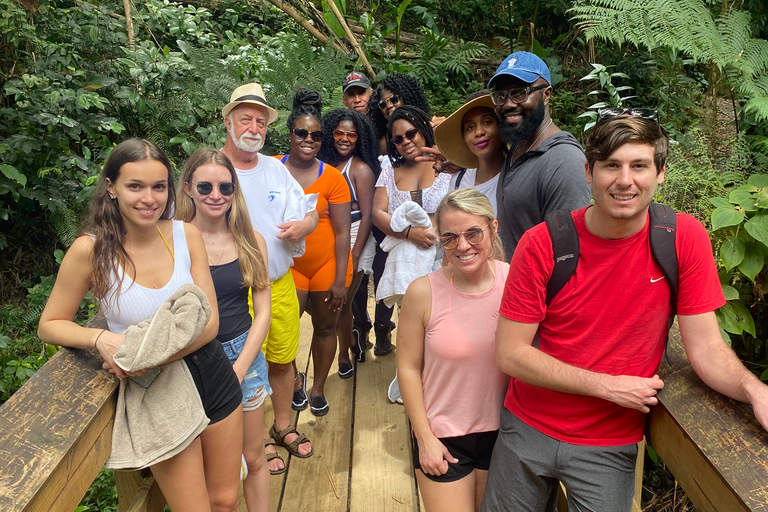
(393, 393)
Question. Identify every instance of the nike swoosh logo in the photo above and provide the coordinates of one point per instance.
(658, 279)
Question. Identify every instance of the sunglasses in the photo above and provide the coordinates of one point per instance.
(516, 95)
(227, 188)
(392, 99)
(473, 236)
(410, 135)
(301, 134)
(340, 134)
(645, 113)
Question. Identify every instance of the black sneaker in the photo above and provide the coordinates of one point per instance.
(358, 347)
(319, 405)
(346, 370)
(383, 344)
(300, 399)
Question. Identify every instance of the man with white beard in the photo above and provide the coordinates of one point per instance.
(279, 210)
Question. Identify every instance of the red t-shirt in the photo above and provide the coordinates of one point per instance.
(611, 317)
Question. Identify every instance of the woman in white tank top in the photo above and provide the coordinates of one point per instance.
(133, 258)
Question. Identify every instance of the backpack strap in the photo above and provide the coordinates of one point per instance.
(565, 245)
(459, 178)
(662, 237)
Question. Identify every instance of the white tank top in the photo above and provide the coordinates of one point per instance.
(135, 302)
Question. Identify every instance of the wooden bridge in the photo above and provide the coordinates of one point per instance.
(55, 434)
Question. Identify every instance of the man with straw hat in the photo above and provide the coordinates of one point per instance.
(281, 212)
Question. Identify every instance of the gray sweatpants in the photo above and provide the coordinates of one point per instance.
(526, 466)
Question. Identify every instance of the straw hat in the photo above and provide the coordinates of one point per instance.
(250, 93)
(450, 137)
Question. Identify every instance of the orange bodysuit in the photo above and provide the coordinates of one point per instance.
(316, 270)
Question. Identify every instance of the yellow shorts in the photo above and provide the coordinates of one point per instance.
(282, 341)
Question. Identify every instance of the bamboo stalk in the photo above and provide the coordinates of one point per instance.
(351, 38)
(129, 24)
(304, 23)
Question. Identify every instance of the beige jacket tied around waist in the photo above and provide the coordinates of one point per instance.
(155, 423)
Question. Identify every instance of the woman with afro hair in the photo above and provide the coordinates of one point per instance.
(324, 272)
(349, 144)
(396, 90)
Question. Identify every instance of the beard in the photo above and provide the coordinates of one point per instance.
(515, 135)
(244, 143)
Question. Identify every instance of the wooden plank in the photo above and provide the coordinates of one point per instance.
(55, 432)
(321, 482)
(382, 472)
(127, 483)
(713, 445)
(148, 497)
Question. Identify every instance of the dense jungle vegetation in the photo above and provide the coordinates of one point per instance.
(79, 76)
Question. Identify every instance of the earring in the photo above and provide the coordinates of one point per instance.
(112, 197)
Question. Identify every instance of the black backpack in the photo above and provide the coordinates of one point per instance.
(565, 243)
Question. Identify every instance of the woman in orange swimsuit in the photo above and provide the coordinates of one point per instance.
(321, 284)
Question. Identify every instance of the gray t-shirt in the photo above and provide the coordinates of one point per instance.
(544, 180)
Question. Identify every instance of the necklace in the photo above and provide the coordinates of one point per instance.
(491, 268)
(221, 254)
(539, 136)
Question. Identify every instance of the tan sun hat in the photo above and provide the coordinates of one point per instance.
(249, 93)
(450, 138)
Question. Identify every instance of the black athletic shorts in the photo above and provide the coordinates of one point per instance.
(472, 450)
(215, 380)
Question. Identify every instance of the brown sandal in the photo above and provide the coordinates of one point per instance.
(293, 447)
(273, 456)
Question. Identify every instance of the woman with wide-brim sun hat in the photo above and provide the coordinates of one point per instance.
(469, 138)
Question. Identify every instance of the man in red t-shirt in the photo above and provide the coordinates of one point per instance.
(575, 407)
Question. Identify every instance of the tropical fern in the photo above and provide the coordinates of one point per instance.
(725, 42)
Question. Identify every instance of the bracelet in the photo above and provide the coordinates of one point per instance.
(97, 339)
(407, 231)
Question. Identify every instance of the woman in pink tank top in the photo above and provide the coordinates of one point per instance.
(451, 388)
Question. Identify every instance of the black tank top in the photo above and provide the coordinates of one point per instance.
(232, 298)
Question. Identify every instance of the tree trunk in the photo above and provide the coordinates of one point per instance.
(129, 24)
(29, 5)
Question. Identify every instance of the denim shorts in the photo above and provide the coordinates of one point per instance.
(255, 384)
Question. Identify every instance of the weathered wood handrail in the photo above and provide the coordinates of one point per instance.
(56, 434)
(713, 445)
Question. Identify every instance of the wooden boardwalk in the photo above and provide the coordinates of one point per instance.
(362, 459)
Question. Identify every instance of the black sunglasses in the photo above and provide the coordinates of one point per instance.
(516, 95)
(645, 113)
(227, 188)
(301, 134)
(392, 99)
(410, 135)
(473, 236)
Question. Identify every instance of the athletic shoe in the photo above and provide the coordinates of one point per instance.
(358, 347)
(346, 370)
(300, 399)
(393, 393)
(319, 405)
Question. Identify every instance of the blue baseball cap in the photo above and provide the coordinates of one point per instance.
(522, 65)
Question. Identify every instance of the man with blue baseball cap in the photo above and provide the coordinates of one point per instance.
(544, 169)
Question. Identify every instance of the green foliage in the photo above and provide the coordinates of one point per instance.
(102, 495)
(743, 218)
(688, 26)
(613, 92)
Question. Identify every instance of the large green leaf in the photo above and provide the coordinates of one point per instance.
(757, 227)
(728, 319)
(753, 261)
(732, 252)
(12, 173)
(730, 292)
(720, 202)
(726, 216)
(758, 180)
(331, 18)
(744, 317)
(742, 194)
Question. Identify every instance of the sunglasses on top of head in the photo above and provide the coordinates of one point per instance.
(392, 99)
(473, 236)
(227, 188)
(301, 134)
(410, 135)
(645, 113)
(340, 134)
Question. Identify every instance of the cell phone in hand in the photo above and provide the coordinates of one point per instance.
(146, 378)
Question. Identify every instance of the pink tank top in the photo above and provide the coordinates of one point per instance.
(463, 390)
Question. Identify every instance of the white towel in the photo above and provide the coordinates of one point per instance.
(406, 261)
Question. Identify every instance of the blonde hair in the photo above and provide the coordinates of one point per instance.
(252, 264)
(473, 202)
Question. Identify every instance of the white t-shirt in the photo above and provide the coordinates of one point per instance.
(274, 197)
(488, 189)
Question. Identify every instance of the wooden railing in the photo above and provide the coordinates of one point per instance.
(55, 435)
